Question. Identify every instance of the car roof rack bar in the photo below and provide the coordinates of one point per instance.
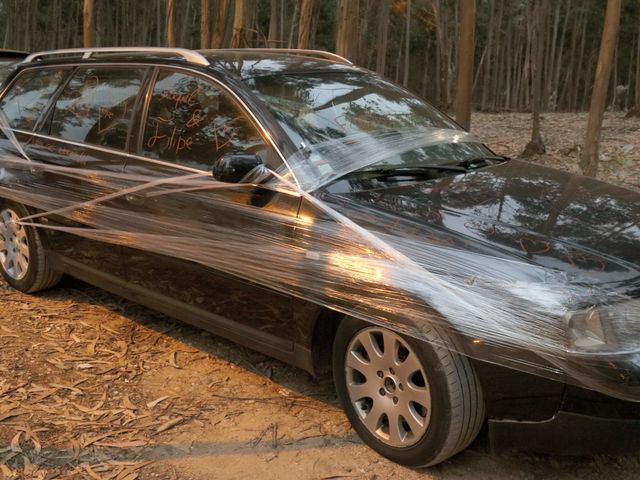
(191, 56)
(295, 51)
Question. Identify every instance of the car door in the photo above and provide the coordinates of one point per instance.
(83, 142)
(196, 228)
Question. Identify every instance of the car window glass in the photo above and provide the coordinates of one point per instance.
(96, 106)
(29, 96)
(192, 122)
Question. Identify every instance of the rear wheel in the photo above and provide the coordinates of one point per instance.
(414, 402)
(23, 262)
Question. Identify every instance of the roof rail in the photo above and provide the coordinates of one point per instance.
(294, 51)
(190, 56)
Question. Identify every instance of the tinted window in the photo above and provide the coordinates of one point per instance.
(192, 122)
(29, 96)
(96, 106)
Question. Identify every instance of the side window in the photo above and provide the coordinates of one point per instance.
(96, 106)
(29, 96)
(192, 122)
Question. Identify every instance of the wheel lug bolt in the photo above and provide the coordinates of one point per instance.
(400, 386)
(380, 374)
(391, 371)
(395, 400)
(382, 392)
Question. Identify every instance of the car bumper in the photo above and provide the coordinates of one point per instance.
(587, 423)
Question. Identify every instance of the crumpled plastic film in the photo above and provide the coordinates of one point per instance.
(317, 165)
(346, 255)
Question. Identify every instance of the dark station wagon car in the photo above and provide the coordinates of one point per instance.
(418, 398)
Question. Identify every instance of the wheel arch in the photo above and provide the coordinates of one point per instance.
(323, 334)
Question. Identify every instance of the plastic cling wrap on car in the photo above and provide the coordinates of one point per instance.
(446, 261)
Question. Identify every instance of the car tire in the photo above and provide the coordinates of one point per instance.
(378, 391)
(23, 260)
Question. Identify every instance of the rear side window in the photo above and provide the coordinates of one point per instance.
(97, 105)
(192, 122)
(29, 96)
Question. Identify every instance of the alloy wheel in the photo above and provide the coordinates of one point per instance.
(388, 387)
(14, 246)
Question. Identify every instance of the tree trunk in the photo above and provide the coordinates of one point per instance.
(304, 27)
(171, 20)
(237, 37)
(383, 36)
(536, 145)
(88, 24)
(466, 50)
(486, 66)
(362, 28)
(399, 56)
(184, 8)
(525, 92)
(637, 82)
(556, 77)
(294, 23)
(217, 37)
(493, 93)
(589, 157)
(508, 77)
(159, 20)
(346, 15)
(204, 24)
(635, 111)
(578, 67)
(274, 24)
(407, 45)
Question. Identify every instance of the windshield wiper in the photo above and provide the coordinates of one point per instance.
(470, 163)
(415, 171)
(427, 170)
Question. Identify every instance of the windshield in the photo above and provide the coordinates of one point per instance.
(346, 121)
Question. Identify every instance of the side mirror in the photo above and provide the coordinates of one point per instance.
(233, 167)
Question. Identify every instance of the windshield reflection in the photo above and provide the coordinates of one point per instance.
(346, 121)
(317, 107)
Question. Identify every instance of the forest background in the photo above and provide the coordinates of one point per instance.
(525, 55)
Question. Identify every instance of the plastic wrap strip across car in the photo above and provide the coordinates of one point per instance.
(343, 259)
(320, 164)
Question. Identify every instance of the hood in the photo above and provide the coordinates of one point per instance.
(585, 228)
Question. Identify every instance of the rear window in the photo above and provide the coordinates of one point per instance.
(96, 106)
(29, 96)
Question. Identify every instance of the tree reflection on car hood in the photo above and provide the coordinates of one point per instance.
(517, 210)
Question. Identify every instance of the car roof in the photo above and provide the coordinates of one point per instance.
(244, 63)
(12, 54)
(247, 63)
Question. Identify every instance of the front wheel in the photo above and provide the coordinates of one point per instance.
(414, 402)
(23, 262)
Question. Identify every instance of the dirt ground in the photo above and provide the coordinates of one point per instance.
(96, 387)
(563, 135)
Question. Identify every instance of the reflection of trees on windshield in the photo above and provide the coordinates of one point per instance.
(345, 121)
(318, 107)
